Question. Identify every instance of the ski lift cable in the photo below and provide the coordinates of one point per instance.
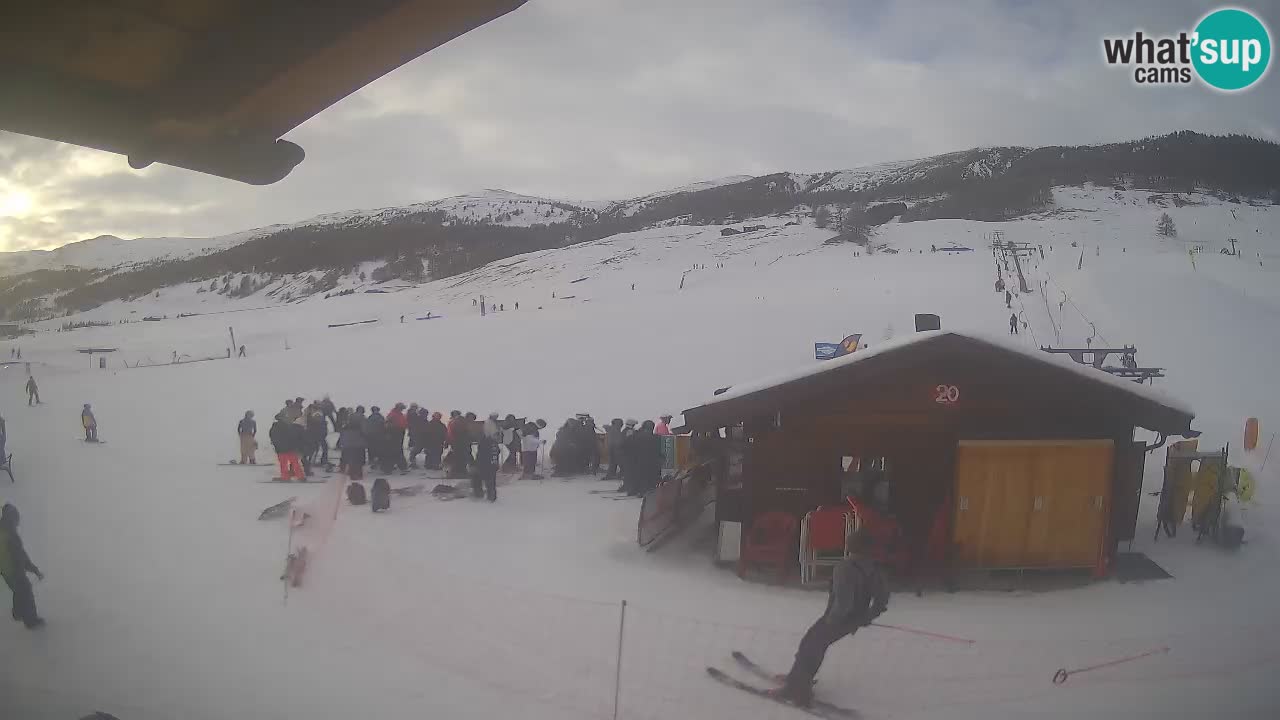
(1066, 296)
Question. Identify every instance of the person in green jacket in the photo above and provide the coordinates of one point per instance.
(14, 566)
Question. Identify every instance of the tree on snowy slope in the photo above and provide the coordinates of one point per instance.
(821, 216)
(1165, 226)
(856, 226)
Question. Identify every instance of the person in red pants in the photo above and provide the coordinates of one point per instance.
(289, 439)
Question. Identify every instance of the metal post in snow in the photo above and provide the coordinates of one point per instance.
(617, 672)
(233, 338)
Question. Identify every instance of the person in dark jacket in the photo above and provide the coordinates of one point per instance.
(859, 593)
(330, 412)
(341, 422)
(14, 566)
(318, 434)
(352, 441)
(433, 438)
(613, 447)
(591, 445)
(392, 454)
(625, 457)
(644, 461)
(288, 440)
(484, 483)
(459, 447)
(375, 428)
(417, 420)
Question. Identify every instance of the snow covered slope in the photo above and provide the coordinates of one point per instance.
(162, 596)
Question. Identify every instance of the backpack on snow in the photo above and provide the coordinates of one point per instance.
(355, 494)
(380, 495)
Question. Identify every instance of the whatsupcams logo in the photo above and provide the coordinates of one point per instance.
(1229, 49)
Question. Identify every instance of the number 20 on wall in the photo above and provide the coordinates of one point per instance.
(946, 394)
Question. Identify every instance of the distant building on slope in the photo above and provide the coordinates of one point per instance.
(951, 451)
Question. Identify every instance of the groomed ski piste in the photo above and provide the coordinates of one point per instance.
(162, 593)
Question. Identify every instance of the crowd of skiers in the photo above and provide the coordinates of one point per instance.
(462, 446)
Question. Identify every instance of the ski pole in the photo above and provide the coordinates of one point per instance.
(925, 633)
(1063, 673)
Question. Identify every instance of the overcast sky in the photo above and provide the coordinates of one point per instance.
(606, 99)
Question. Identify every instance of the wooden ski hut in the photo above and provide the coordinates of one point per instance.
(1005, 456)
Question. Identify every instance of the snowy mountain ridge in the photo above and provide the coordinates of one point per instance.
(1171, 159)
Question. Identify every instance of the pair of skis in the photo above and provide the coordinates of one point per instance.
(818, 708)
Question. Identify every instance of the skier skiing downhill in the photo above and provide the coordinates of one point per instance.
(859, 594)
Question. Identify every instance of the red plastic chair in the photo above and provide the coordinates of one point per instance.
(824, 539)
(771, 541)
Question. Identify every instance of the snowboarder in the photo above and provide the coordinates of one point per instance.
(433, 442)
(247, 429)
(517, 306)
(14, 566)
(33, 391)
(1013, 324)
(484, 483)
(529, 445)
(613, 446)
(1008, 299)
(90, 424)
(859, 593)
(241, 351)
(664, 425)
(287, 439)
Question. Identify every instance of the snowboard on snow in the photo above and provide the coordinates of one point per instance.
(409, 490)
(236, 464)
(818, 708)
(299, 482)
(277, 510)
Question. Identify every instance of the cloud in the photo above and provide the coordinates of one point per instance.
(603, 99)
